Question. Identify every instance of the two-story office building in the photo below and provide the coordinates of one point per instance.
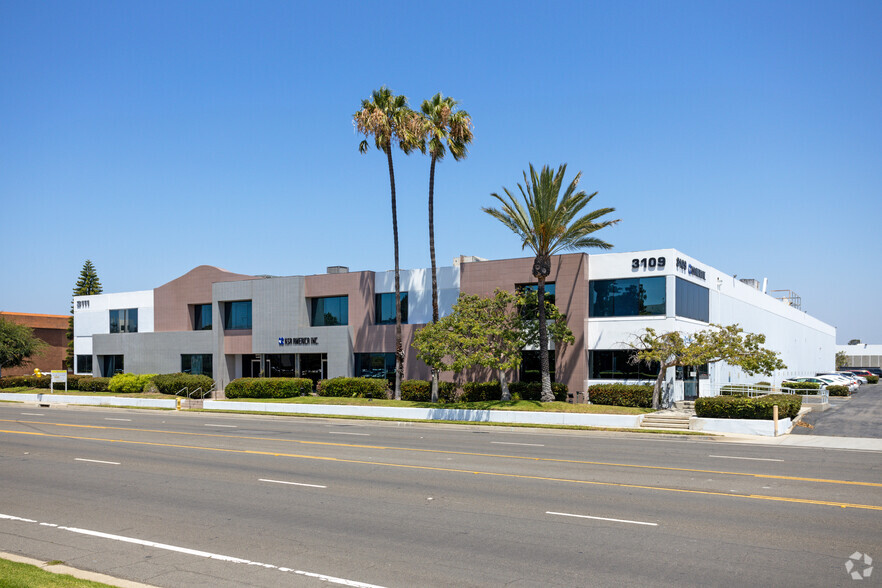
(342, 323)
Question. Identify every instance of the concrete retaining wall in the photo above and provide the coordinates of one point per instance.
(436, 414)
(740, 426)
(89, 400)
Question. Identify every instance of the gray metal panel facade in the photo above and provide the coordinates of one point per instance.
(151, 353)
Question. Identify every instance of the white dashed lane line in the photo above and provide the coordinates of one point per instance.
(224, 426)
(33, 414)
(748, 458)
(348, 433)
(96, 461)
(112, 419)
(194, 552)
(522, 444)
(291, 483)
(578, 516)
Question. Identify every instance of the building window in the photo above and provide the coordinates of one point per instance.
(615, 364)
(111, 365)
(385, 305)
(531, 311)
(84, 364)
(690, 372)
(531, 368)
(124, 320)
(692, 301)
(375, 365)
(198, 365)
(329, 311)
(237, 315)
(202, 318)
(627, 297)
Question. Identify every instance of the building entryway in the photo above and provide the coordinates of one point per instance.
(286, 365)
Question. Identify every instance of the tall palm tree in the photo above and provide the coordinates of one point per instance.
(387, 119)
(445, 129)
(546, 221)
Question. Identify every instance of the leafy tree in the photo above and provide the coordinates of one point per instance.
(87, 284)
(17, 344)
(445, 128)
(548, 222)
(485, 332)
(841, 359)
(387, 119)
(717, 343)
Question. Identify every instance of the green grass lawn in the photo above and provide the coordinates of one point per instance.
(522, 405)
(22, 575)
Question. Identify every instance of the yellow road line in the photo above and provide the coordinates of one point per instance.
(458, 471)
(473, 454)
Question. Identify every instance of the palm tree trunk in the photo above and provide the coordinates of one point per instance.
(399, 352)
(434, 270)
(547, 394)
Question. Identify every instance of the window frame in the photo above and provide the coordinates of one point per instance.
(378, 308)
(642, 281)
(314, 311)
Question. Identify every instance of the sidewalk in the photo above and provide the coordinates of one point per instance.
(76, 573)
(817, 441)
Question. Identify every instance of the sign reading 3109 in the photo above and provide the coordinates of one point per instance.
(648, 263)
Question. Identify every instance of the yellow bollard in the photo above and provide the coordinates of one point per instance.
(179, 404)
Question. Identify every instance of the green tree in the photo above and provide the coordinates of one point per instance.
(17, 344)
(717, 343)
(87, 284)
(548, 222)
(841, 359)
(388, 120)
(445, 129)
(485, 332)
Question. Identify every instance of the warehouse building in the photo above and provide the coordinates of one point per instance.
(342, 323)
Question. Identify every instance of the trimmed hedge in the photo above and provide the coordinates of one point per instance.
(492, 390)
(837, 390)
(737, 407)
(129, 383)
(94, 384)
(639, 395)
(421, 391)
(353, 387)
(173, 383)
(268, 387)
(73, 382)
(872, 379)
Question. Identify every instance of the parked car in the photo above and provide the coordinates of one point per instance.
(825, 381)
(853, 374)
(844, 376)
(863, 373)
(873, 370)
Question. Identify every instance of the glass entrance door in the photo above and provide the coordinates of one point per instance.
(690, 377)
(314, 366)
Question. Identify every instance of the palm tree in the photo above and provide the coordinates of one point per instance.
(547, 223)
(444, 129)
(387, 118)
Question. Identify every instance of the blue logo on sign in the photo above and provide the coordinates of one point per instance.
(281, 340)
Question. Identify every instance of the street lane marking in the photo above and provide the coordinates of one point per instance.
(748, 458)
(112, 419)
(224, 426)
(566, 514)
(454, 470)
(33, 413)
(348, 433)
(446, 452)
(290, 483)
(96, 461)
(196, 552)
(523, 444)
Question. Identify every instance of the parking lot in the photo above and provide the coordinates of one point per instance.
(858, 416)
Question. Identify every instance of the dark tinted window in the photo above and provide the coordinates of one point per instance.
(237, 315)
(202, 320)
(693, 301)
(199, 364)
(531, 311)
(111, 364)
(531, 368)
(385, 304)
(124, 320)
(331, 311)
(627, 297)
(375, 365)
(615, 364)
(84, 364)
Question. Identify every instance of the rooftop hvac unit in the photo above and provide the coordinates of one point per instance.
(788, 297)
(338, 269)
(750, 282)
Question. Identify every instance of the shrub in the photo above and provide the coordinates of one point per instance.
(736, 407)
(129, 383)
(639, 395)
(421, 391)
(481, 391)
(872, 379)
(22, 382)
(353, 387)
(94, 384)
(837, 390)
(174, 383)
(533, 391)
(268, 387)
(805, 387)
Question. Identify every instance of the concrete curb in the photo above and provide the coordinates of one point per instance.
(76, 573)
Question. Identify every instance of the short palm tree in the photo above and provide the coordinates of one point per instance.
(548, 222)
(387, 119)
(445, 129)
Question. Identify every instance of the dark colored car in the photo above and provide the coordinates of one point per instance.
(873, 370)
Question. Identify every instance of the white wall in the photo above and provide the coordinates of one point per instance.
(418, 285)
(92, 315)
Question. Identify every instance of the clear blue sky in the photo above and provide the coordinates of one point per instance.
(152, 137)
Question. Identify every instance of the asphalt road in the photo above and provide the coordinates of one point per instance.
(858, 416)
(198, 499)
